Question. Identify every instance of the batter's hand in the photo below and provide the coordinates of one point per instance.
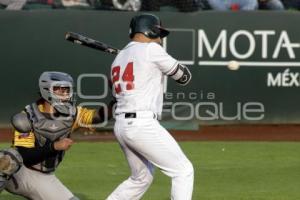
(63, 144)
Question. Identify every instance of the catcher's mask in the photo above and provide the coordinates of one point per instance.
(57, 89)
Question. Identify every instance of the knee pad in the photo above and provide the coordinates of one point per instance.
(10, 162)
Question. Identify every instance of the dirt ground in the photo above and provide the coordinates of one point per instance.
(205, 133)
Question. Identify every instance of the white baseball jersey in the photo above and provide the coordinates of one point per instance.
(137, 76)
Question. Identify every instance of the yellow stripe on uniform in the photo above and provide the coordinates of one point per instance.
(24, 139)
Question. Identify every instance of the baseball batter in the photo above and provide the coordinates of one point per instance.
(41, 137)
(137, 76)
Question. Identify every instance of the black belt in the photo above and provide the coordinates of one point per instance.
(130, 115)
(133, 115)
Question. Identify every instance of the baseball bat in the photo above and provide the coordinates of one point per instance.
(89, 42)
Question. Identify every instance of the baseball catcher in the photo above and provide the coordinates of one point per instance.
(41, 137)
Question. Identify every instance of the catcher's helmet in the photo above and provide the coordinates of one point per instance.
(149, 25)
(49, 80)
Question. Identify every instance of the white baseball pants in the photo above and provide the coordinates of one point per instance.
(38, 186)
(147, 144)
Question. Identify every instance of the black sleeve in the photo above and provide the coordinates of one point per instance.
(32, 156)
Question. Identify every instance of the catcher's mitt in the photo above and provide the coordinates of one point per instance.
(5, 163)
(10, 161)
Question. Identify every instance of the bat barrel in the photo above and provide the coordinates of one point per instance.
(89, 42)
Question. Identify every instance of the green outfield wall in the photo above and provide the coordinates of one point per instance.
(264, 90)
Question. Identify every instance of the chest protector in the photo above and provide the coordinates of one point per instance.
(48, 130)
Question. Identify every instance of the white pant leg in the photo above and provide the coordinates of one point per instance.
(152, 141)
(141, 174)
(38, 186)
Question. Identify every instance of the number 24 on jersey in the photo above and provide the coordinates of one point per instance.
(127, 77)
